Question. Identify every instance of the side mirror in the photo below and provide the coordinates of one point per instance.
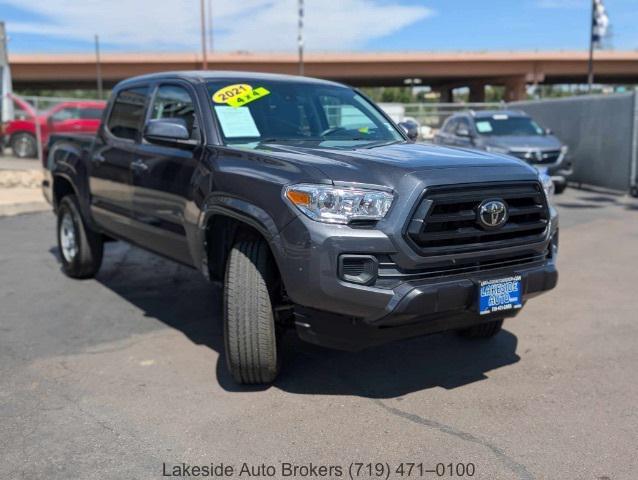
(166, 130)
(411, 129)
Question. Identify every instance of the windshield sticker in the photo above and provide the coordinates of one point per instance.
(484, 127)
(239, 94)
(236, 122)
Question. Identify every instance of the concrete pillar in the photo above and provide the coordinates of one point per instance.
(446, 94)
(515, 89)
(477, 92)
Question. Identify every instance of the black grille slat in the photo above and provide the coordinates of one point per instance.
(516, 211)
(451, 217)
(477, 232)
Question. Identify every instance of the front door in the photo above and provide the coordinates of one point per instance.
(162, 176)
(111, 175)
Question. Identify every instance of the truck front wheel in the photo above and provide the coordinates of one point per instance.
(249, 324)
(483, 330)
(80, 248)
(24, 145)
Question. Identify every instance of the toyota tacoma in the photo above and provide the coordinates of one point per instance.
(312, 208)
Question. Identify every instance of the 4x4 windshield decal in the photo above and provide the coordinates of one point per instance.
(239, 94)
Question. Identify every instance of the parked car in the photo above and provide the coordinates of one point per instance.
(512, 133)
(65, 117)
(310, 205)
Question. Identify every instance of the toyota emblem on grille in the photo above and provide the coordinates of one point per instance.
(492, 213)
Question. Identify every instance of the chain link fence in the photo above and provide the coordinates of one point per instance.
(601, 131)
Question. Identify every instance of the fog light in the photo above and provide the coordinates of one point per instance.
(361, 269)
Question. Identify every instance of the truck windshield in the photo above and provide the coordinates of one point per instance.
(504, 125)
(250, 112)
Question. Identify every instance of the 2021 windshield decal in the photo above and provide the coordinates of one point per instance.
(239, 94)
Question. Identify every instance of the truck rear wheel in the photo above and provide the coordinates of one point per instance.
(249, 324)
(80, 248)
(24, 145)
(483, 330)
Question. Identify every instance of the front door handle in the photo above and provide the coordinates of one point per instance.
(139, 166)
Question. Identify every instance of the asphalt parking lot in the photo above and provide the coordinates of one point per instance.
(114, 377)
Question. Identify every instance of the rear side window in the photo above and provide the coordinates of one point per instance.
(91, 113)
(173, 101)
(127, 114)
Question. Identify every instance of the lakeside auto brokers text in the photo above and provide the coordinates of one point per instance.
(378, 470)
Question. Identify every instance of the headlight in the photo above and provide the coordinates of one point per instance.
(325, 203)
(502, 150)
(564, 149)
(548, 184)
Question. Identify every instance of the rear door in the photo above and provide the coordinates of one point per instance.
(111, 177)
(162, 174)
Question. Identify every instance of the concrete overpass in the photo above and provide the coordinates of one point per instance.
(442, 71)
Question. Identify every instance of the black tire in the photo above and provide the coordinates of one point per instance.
(250, 333)
(89, 245)
(483, 330)
(559, 187)
(634, 191)
(24, 145)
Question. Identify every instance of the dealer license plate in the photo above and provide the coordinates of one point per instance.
(500, 295)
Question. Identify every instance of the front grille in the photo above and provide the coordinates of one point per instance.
(538, 157)
(445, 221)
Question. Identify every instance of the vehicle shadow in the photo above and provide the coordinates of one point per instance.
(182, 299)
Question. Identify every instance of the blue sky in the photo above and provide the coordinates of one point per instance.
(331, 25)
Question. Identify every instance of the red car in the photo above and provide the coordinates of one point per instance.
(66, 117)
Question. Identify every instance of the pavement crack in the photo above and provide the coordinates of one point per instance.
(517, 468)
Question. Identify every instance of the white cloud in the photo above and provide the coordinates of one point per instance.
(267, 25)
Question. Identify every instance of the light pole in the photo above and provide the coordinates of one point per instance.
(590, 67)
(210, 26)
(98, 67)
(300, 38)
(202, 8)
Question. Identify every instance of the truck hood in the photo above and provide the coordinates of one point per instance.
(388, 164)
(525, 142)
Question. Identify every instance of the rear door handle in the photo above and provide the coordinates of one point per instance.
(98, 159)
(139, 166)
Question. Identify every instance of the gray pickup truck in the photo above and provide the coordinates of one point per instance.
(313, 208)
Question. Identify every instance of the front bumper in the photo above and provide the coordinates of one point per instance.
(339, 314)
(421, 308)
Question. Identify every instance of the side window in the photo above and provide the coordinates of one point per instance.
(463, 124)
(66, 113)
(344, 115)
(172, 101)
(91, 113)
(127, 114)
(450, 125)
